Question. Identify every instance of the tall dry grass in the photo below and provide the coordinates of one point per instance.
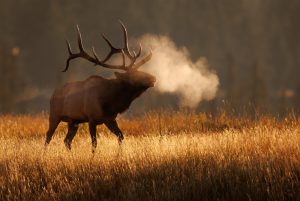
(165, 156)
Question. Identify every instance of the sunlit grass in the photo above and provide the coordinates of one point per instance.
(165, 156)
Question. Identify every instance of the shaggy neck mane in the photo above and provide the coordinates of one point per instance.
(125, 94)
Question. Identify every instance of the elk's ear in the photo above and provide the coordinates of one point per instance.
(120, 75)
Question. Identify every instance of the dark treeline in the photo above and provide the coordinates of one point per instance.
(253, 45)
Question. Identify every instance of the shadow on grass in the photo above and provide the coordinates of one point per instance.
(190, 178)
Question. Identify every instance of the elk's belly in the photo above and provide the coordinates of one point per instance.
(73, 110)
(78, 110)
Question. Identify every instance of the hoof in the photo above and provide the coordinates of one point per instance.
(68, 146)
(93, 150)
(120, 139)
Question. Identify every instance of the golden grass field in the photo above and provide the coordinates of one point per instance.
(165, 156)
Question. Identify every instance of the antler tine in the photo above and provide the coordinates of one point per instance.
(71, 56)
(113, 50)
(95, 55)
(123, 57)
(108, 42)
(143, 61)
(79, 39)
(126, 48)
(140, 51)
(69, 47)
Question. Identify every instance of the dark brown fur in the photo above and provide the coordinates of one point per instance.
(95, 100)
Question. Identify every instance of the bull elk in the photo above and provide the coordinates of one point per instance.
(97, 100)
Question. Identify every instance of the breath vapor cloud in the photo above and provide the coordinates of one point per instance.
(176, 73)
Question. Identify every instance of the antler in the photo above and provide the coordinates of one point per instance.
(95, 59)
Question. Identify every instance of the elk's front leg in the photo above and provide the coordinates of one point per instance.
(92, 128)
(113, 127)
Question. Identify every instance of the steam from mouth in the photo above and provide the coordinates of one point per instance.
(176, 73)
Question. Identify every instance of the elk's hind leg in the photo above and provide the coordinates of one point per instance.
(114, 128)
(72, 129)
(93, 130)
(53, 123)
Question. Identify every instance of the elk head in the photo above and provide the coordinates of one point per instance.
(131, 75)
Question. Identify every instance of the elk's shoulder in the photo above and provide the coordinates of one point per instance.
(95, 78)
